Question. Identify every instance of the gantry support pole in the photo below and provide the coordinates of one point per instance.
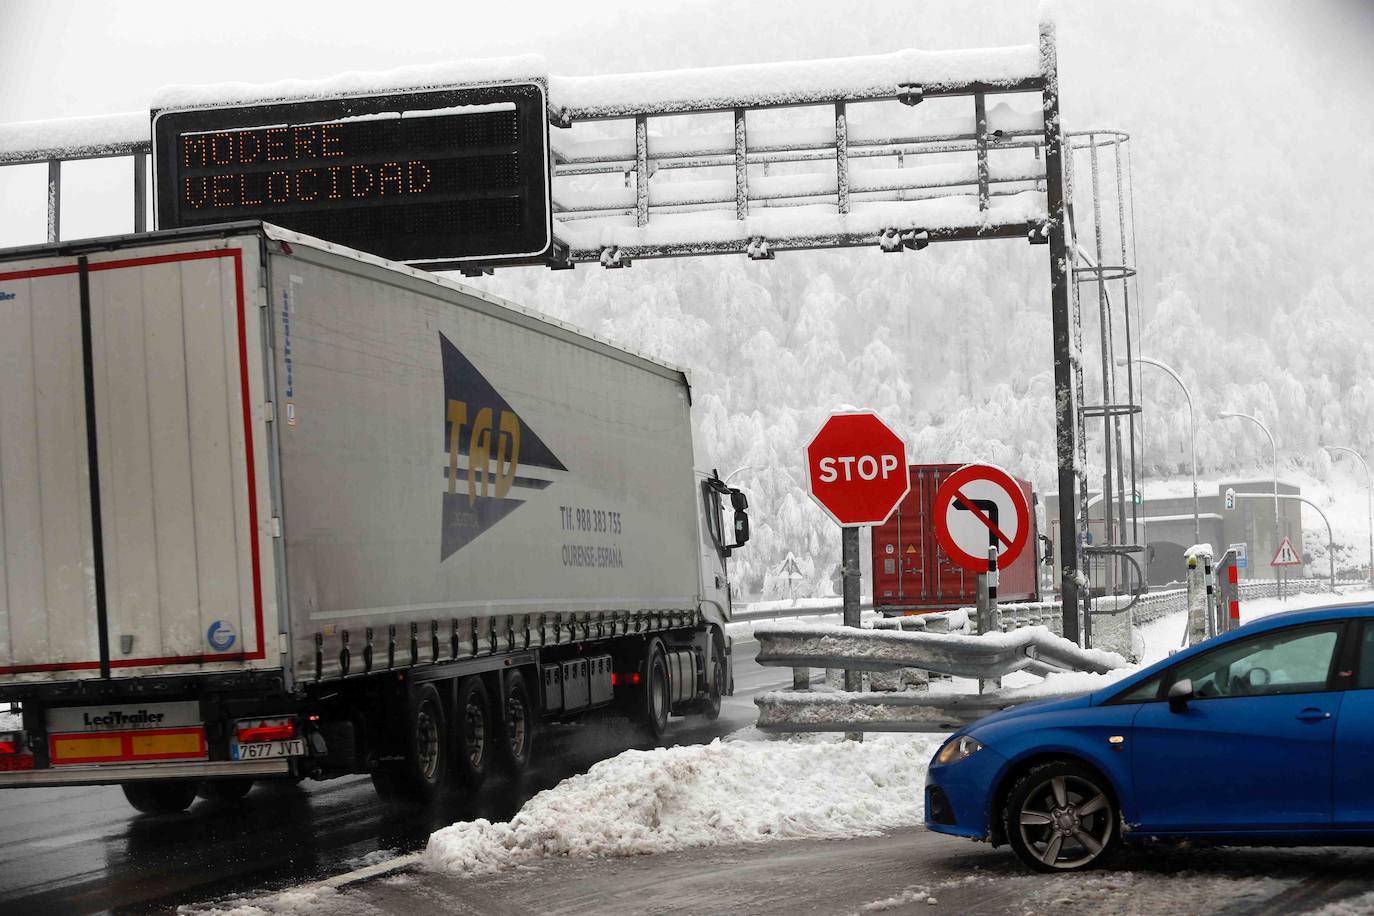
(1065, 410)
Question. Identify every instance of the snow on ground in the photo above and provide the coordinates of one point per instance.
(311, 900)
(1363, 905)
(740, 790)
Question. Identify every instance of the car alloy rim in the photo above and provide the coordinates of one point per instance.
(1066, 821)
(476, 731)
(515, 715)
(427, 742)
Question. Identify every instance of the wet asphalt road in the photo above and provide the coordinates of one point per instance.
(908, 871)
(84, 850)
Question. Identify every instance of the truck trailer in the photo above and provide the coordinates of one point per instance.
(271, 508)
(912, 574)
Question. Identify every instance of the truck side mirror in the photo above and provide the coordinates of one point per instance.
(740, 503)
(715, 489)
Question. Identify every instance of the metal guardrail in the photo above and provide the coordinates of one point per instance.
(822, 610)
(785, 711)
(989, 656)
(905, 642)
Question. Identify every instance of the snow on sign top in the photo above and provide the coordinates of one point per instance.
(526, 67)
(791, 82)
(116, 133)
(780, 83)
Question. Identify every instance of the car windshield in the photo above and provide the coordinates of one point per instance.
(1296, 660)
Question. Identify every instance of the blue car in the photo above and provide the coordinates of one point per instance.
(1263, 735)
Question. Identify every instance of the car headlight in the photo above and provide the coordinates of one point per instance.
(957, 749)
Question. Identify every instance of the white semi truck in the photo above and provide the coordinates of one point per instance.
(272, 508)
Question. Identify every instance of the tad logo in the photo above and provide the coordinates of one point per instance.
(493, 461)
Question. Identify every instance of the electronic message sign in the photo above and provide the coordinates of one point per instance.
(434, 177)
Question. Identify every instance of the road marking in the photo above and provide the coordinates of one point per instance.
(366, 873)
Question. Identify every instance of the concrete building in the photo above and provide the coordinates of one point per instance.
(1166, 529)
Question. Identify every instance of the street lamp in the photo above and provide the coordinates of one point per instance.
(1255, 420)
(1192, 431)
(1369, 492)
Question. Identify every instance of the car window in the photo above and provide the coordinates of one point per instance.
(1297, 660)
(1367, 655)
(1143, 692)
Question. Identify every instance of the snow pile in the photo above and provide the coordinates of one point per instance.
(732, 791)
(311, 900)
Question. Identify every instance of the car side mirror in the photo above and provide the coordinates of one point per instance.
(1180, 694)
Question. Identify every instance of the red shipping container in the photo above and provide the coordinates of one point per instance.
(913, 575)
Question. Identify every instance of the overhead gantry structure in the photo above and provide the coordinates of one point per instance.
(894, 151)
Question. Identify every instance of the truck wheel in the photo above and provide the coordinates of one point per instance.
(224, 791)
(421, 777)
(518, 725)
(657, 694)
(719, 674)
(474, 731)
(163, 797)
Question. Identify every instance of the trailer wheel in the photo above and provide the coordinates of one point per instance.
(224, 791)
(421, 777)
(473, 727)
(657, 696)
(168, 796)
(518, 725)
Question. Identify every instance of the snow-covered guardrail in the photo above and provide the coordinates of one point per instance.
(835, 711)
(988, 656)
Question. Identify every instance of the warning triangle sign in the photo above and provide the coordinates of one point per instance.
(910, 548)
(1286, 555)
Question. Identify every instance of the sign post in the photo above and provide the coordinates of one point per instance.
(857, 472)
(982, 522)
(1284, 558)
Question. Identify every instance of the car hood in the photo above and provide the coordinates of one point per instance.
(1033, 708)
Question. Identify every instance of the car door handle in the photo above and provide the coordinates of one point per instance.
(1311, 714)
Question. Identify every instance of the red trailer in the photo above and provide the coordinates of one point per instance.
(913, 575)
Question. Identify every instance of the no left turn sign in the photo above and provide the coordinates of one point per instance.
(977, 506)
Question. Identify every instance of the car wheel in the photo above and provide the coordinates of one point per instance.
(1060, 817)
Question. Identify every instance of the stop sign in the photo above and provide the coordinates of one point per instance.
(856, 468)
